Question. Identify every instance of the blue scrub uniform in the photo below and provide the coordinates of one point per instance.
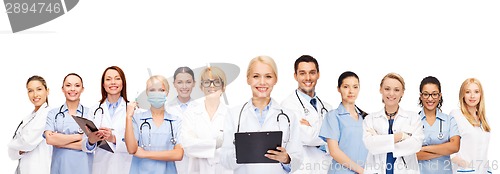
(340, 126)
(448, 127)
(68, 160)
(160, 140)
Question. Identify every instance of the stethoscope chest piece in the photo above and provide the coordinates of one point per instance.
(440, 136)
(306, 111)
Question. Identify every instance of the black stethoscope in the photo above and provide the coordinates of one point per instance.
(440, 135)
(145, 123)
(80, 131)
(277, 119)
(306, 111)
(102, 112)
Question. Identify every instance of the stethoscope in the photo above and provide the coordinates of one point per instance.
(80, 131)
(146, 123)
(440, 135)
(29, 121)
(102, 112)
(277, 119)
(306, 111)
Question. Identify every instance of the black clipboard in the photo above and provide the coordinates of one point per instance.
(83, 122)
(252, 146)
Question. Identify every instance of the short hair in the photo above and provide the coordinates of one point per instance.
(265, 60)
(158, 78)
(215, 72)
(123, 93)
(305, 58)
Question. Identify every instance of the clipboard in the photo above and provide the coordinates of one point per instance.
(83, 122)
(252, 146)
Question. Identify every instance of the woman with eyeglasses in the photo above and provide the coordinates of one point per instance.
(392, 136)
(109, 116)
(152, 136)
(474, 130)
(27, 145)
(202, 129)
(441, 131)
(262, 113)
(64, 134)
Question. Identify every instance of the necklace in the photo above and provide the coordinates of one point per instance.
(391, 114)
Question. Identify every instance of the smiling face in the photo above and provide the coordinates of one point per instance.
(307, 75)
(349, 90)
(113, 83)
(261, 79)
(472, 95)
(184, 84)
(430, 96)
(392, 90)
(37, 93)
(72, 88)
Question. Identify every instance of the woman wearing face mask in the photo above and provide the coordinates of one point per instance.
(261, 113)
(27, 145)
(183, 83)
(392, 136)
(64, 134)
(474, 130)
(153, 136)
(441, 131)
(202, 129)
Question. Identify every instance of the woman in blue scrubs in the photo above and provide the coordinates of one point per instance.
(343, 129)
(64, 134)
(441, 131)
(152, 136)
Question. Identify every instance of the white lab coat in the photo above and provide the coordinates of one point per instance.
(106, 162)
(199, 135)
(29, 138)
(474, 144)
(379, 142)
(174, 108)
(315, 160)
(250, 123)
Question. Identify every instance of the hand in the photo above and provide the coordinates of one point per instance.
(108, 134)
(305, 122)
(96, 136)
(278, 155)
(131, 107)
(140, 153)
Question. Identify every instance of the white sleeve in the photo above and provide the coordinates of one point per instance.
(413, 144)
(195, 146)
(375, 143)
(228, 150)
(31, 134)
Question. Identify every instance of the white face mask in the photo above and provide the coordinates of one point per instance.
(157, 99)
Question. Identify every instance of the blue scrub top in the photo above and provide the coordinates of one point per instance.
(68, 160)
(339, 125)
(160, 141)
(441, 165)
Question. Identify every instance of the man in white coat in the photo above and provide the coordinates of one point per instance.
(311, 111)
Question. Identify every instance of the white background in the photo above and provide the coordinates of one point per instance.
(452, 40)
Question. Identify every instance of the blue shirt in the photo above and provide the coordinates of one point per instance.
(183, 106)
(112, 107)
(261, 115)
(448, 126)
(68, 160)
(340, 126)
(155, 138)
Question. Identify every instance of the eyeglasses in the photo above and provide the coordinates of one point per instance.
(433, 95)
(207, 83)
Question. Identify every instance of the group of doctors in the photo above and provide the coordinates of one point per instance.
(187, 136)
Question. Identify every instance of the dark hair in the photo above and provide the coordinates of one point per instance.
(40, 79)
(305, 58)
(344, 75)
(72, 74)
(123, 93)
(431, 80)
(184, 69)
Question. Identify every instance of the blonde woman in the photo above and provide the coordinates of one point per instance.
(474, 130)
(392, 136)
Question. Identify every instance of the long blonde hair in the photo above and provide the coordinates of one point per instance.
(481, 113)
